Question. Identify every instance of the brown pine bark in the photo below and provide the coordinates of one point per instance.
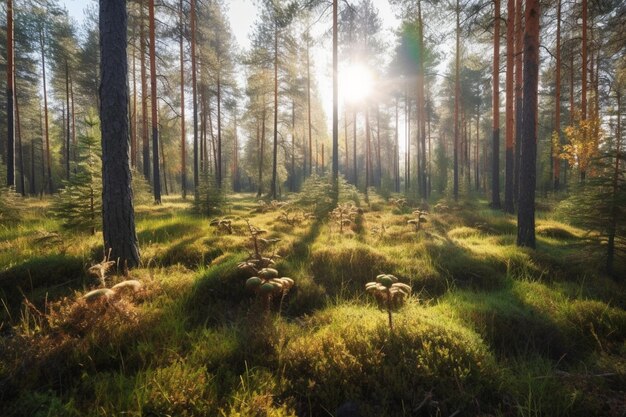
(273, 193)
(457, 93)
(519, 104)
(194, 93)
(183, 142)
(156, 176)
(495, 162)
(509, 204)
(422, 106)
(335, 150)
(20, 148)
(144, 94)
(48, 176)
(133, 113)
(557, 100)
(118, 218)
(583, 98)
(526, 211)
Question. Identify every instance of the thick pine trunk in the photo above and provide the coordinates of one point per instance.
(528, 162)
(118, 218)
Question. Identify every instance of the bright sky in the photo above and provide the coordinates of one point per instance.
(242, 15)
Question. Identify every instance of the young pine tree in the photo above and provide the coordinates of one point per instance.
(79, 204)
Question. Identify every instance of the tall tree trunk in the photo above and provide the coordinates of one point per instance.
(218, 162)
(557, 102)
(355, 178)
(407, 181)
(275, 144)
(261, 151)
(118, 218)
(194, 92)
(495, 163)
(346, 168)
(335, 167)
(583, 99)
(367, 150)
(20, 148)
(74, 143)
(519, 94)
(164, 168)
(32, 184)
(379, 166)
(133, 113)
(156, 180)
(48, 177)
(236, 180)
(422, 105)
(183, 141)
(10, 96)
(509, 203)
(457, 94)
(396, 154)
(144, 94)
(68, 137)
(610, 250)
(308, 99)
(526, 211)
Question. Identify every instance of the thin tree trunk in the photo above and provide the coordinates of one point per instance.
(67, 121)
(183, 141)
(20, 149)
(133, 111)
(74, 143)
(308, 99)
(194, 93)
(379, 173)
(557, 102)
(519, 94)
(495, 163)
(422, 105)
(335, 151)
(396, 154)
(156, 176)
(144, 95)
(218, 162)
(10, 96)
(261, 152)
(509, 203)
(48, 169)
(275, 144)
(118, 218)
(526, 212)
(457, 94)
(614, 214)
(355, 179)
(583, 99)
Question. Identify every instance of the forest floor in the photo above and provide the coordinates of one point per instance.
(490, 329)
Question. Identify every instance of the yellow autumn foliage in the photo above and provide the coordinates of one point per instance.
(583, 139)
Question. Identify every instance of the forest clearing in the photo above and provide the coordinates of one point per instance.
(490, 328)
(312, 208)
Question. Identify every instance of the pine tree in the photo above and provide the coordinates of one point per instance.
(79, 205)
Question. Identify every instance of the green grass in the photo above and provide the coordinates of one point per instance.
(491, 329)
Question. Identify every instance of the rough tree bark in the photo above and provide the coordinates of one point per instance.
(495, 161)
(509, 204)
(118, 218)
(10, 95)
(528, 160)
(156, 176)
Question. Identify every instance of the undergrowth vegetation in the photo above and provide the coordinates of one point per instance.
(486, 328)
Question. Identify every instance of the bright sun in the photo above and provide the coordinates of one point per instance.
(355, 83)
